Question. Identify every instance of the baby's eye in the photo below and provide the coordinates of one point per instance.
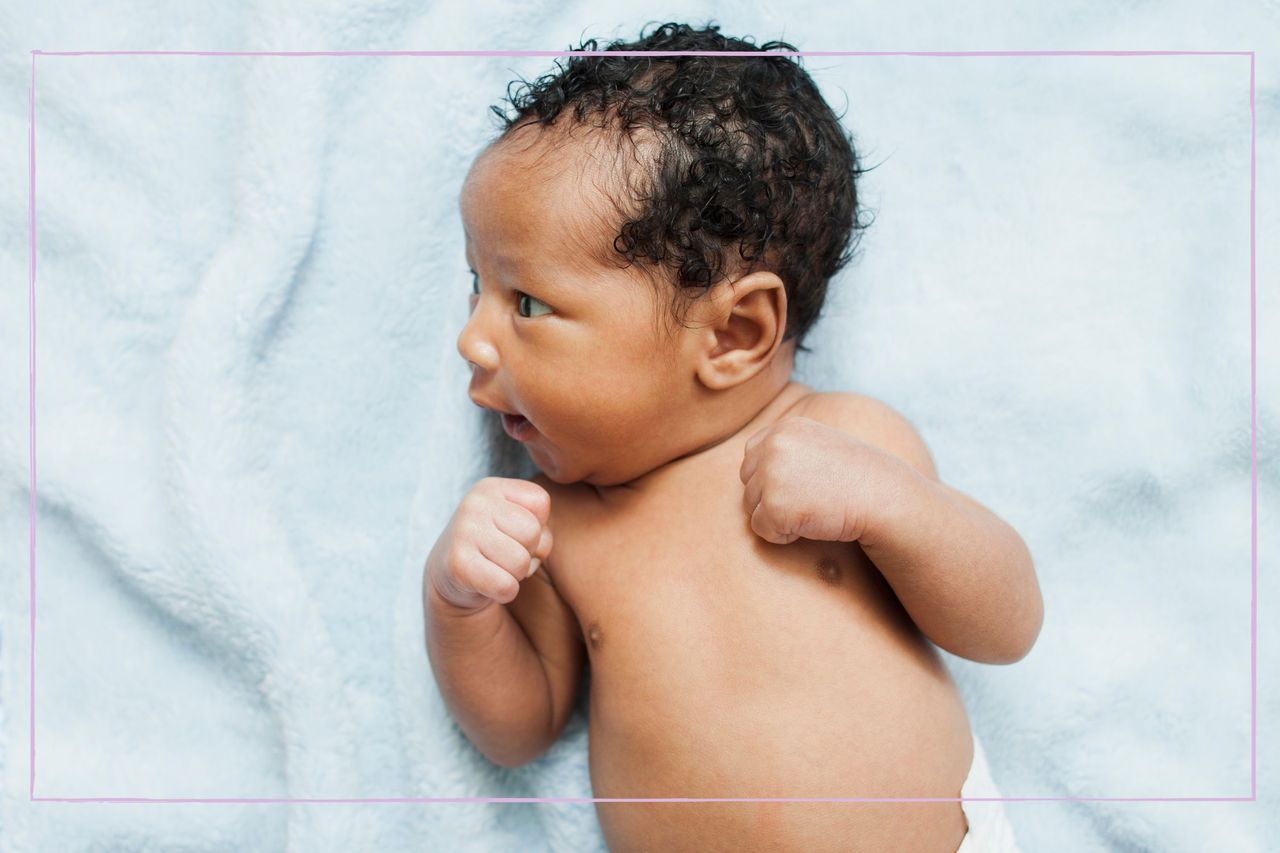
(475, 282)
(524, 299)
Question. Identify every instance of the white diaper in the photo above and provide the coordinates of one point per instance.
(989, 828)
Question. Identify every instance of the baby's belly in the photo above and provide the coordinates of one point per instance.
(799, 675)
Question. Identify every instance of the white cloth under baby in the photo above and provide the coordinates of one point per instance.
(989, 827)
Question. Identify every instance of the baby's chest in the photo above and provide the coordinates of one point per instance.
(690, 584)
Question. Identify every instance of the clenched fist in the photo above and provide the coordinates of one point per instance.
(803, 479)
(497, 537)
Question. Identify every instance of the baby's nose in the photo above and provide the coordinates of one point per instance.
(476, 352)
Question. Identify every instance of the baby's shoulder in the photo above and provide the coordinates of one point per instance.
(872, 421)
(846, 410)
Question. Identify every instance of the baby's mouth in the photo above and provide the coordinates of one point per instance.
(517, 426)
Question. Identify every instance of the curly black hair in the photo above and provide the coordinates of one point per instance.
(745, 150)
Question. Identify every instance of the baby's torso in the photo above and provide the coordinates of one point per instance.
(726, 666)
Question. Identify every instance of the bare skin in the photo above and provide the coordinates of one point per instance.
(722, 665)
(726, 666)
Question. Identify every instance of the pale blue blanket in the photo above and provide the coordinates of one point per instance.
(252, 423)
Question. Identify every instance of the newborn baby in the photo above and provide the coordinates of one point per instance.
(757, 571)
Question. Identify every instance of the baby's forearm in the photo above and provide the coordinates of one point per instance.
(491, 678)
(964, 575)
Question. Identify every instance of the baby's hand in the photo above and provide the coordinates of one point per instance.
(806, 480)
(497, 537)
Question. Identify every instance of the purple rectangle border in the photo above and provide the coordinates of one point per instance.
(1253, 423)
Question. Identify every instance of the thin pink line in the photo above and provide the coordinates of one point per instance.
(643, 53)
(1253, 437)
(1253, 628)
(31, 360)
(652, 800)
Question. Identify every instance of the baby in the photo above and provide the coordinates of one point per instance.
(757, 571)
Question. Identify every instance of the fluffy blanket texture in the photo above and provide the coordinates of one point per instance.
(252, 423)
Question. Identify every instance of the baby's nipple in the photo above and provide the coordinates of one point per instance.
(829, 571)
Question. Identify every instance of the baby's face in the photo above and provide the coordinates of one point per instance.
(557, 335)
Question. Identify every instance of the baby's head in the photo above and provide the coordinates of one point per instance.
(651, 238)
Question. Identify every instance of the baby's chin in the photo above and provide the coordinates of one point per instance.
(552, 471)
(595, 479)
(565, 476)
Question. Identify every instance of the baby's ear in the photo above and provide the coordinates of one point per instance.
(741, 329)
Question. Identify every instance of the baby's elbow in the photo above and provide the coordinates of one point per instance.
(509, 762)
(1000, 649)
(1023, 626)
(1021, 642)
(1008, 656)
(517, 756)
(994, 655)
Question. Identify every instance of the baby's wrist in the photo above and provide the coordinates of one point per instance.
(447, 600)
(889, 491)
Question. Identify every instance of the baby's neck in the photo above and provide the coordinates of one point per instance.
(774, 407)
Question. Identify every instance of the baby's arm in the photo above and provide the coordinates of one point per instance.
(965, 576)
(854, 470)
(505, 652)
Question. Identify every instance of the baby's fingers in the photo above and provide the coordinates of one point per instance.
(530, 495)
(751, 495)
(521, 525)
(491, 580)
(540, 553)
(543, 549)
(771, 525)
(472, 579)
(505, 553)
(525, 528)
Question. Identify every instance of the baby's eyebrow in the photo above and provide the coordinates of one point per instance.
(527, 280)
